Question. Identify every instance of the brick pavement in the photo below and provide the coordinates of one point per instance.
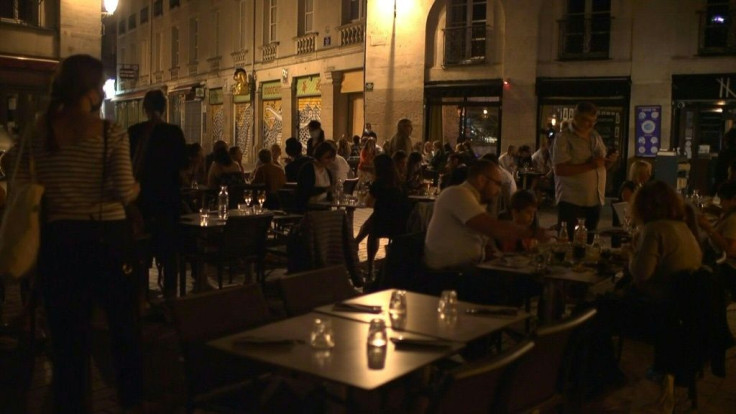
(164, 373)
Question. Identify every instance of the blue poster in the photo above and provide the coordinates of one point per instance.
(648, 122)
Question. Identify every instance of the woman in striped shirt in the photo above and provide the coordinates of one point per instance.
(80, 263)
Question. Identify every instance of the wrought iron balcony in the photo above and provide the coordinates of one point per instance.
(466, 45)
(585, 36)
(352, 33)
(717, 31)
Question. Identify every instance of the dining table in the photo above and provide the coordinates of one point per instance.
(351, 362)
(472, 321)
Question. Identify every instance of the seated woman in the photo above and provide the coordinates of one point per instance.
(722, 235)
(224, 171)
(414, 178)
(194, 173)
(523, 212)
(314, 180)
(365, 166)
(639, 174)
(272, 176)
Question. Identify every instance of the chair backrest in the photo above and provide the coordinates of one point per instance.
(403, 263)
(202, 317)
(348, 186)
(305, 291)
(536, 379)
(473, 388)
(245, 236)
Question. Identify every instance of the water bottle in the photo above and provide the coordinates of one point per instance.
(596, 248)
(563, 242)
(580, 240)
(222, 203)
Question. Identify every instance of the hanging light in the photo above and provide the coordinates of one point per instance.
(110, 6)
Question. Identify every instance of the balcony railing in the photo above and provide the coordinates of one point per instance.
(239, 56)
(305, 43)
(269, 51)
(585, 36)
(352, 33)
(717, 31)
(466, 45)
(174, 73)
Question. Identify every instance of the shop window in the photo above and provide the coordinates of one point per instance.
(585, 31)
(466, 32)
(717, 31)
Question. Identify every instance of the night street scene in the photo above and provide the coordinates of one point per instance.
(367, 206)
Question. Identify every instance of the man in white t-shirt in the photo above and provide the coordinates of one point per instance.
(507, 160)
(461, 227)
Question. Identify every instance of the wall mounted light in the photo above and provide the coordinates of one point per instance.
(110, 6)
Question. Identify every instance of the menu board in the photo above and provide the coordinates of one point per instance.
(648, 130)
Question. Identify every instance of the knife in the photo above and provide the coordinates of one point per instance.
(355, 307)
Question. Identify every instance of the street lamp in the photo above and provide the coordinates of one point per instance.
(110, 6)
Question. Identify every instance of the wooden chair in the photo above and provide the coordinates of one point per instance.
(305, 291)
(473, 388)
(213, 377)
(540, 380)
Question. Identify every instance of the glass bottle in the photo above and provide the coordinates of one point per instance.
(563, 243)
(222, 203)
(596, 248)
(580, 240)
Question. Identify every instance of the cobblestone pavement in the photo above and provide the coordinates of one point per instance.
(164, 373)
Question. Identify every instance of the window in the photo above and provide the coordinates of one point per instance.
(306, 16)
(144, 15)
(466, 32)
(585, 32)
(132, 22)
(158, 8)
(173, 3)
(174, 47)
(272, 13)
(717, 29)
(215, 21)
(243, 13)
(356, 9)
(25, 11)
(193, 39)
(121, 25)
(157, 52)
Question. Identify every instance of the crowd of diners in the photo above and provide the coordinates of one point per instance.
(91, 170)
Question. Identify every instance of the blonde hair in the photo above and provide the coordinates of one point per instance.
(637, 167)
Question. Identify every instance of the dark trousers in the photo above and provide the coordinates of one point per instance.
(164, 244)
(77, 270)
(570, 213)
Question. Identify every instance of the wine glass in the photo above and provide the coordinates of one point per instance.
(261, 198)
(247, 197)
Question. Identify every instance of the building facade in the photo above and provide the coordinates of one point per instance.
(496, 72)
(35, 36)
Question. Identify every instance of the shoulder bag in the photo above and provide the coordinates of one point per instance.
(20, 231)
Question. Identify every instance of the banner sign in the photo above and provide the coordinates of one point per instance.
(271, 90)
(648, 130)
(308, 86)
(126, 72)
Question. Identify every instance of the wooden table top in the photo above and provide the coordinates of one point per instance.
(348, 363)
(422, 317)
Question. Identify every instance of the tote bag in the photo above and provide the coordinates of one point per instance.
(20, 229)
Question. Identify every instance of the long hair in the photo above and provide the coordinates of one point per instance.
(75, 76)
(386, 170)
(656, 200)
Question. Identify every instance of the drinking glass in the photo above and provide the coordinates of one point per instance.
(204, 216)
(247, 197)
(321, 336)
(261, 198)
(397, 304)
(447, 304)
(377, 336)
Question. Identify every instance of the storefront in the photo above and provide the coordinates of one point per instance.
(464, 111)
(185, 106)
(309, 104)
(215, 127)
(244, 116)
(352, 87)
(271, 113)
(557, 98)
(24, 84)
(129, 108)
(704, 108)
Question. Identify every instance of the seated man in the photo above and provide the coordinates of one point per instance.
(272, 176)
(460, 227)
(294, 151)
(456, 173)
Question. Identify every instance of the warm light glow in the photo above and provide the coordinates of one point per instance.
(109, 88)
(110, 6)
(485, 111)
(553, 121)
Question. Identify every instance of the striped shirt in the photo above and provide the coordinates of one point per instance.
(72, 176)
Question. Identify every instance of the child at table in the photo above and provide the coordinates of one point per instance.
(523, 212)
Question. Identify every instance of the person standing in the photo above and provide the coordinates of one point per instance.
(80, 259)
(316, 136)
(402, 140)
(159, 155)
(579, 159)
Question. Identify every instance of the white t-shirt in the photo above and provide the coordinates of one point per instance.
(340, 169)
(450, 243)
(321, 179)
(586, 189)
(508, 162)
